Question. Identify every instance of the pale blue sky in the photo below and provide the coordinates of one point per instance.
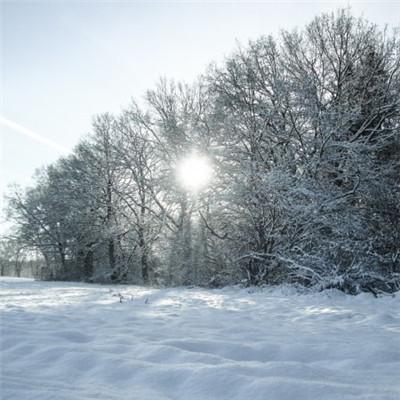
(61, 62)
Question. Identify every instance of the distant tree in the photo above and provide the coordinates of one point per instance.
(11, 257)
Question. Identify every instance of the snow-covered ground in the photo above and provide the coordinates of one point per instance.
(76, 341)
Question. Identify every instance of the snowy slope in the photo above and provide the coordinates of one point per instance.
(75, 341)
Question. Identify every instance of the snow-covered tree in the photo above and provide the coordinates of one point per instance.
(303, 133)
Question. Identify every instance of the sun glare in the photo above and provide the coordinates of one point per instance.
(194, 172)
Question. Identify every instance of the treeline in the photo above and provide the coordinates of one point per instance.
(303, 135)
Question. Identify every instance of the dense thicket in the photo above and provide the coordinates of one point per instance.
(304, 137)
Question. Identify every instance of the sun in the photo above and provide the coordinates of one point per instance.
(194, 172)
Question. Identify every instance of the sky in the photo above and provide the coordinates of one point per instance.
(62, 62)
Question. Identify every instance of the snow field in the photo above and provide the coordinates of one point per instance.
(70, 341)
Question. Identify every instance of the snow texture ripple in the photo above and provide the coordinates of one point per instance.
(69, 341)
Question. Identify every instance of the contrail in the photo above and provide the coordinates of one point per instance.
(33, 135)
